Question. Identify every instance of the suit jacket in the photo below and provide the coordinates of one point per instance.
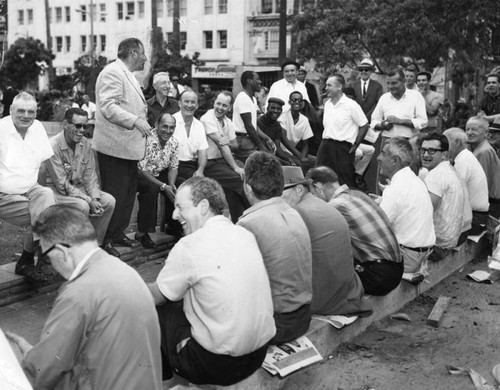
(373, 94)
(119, 101)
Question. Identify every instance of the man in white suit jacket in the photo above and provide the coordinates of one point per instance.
(120, 133)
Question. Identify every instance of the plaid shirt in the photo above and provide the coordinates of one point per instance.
(371, 233)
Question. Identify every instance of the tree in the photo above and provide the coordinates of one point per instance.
(25, 60)
(86, 71)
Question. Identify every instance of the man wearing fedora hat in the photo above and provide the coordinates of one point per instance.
(494, 136)
(433, 100)
(366, 90)
(337, 288)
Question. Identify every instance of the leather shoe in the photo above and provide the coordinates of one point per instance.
(145, 241)
(125, 241)
(111, 250)
(31, 273)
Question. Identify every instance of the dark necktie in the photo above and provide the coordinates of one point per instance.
(364, 90)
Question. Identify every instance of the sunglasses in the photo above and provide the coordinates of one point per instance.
(296, 100)
(44, 255)
(80, 125)
(364, 69)
(430, 151)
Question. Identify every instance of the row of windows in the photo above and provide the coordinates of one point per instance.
(63, 44)
(209, 7)
(208, 39)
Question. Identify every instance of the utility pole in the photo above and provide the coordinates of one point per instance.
(49, 41)
(176, 47)
(282, 32)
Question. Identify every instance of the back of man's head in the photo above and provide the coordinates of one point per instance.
(64, 224)
(323, 175)
(246, 77)
(264, 175)
(209, 189)
(400, 147)
(127, 46)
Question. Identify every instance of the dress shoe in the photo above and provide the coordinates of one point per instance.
(145, 241)
(30, 272)
(110, 249)
(46, 270)
(125, 241)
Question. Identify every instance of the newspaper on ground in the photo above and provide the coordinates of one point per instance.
(289, 357)
(486, 277)
(337, 321)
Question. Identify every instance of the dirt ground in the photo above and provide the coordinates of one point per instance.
(11, 242)
(395, 355)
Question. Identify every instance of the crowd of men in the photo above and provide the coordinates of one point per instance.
(302, 236)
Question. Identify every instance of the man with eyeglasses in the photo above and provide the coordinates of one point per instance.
(450, 200)
(24, 145)
(71, 173)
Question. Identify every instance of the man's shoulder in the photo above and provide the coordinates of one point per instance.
(208, 116)
(151, 101)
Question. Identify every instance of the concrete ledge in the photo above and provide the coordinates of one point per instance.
(326, 338)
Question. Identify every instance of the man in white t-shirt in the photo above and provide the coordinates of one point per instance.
(24, 146)
(213, 293)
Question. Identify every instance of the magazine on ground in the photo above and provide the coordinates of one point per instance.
(337, 321)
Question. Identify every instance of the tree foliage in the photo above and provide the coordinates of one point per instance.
(24, 62)
(340, 32)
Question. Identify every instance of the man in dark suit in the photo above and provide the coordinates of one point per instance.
(311, 89)
(367, 91)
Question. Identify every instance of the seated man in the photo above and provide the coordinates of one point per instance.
(219, 333)
(157, 173)
(477, 131)
(377, 257)
(72, 174)
(408, 206)
(285, 245)
(161, 102)
(452, 212)
(472, 174)
(24, 145)
(102, 332)
(221, 165)
(270, 126)
(337, 289)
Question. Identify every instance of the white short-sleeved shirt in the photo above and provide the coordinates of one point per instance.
(296, 132)
(282, 89)
(472, 174)
(219, 272)
(189, 147)
(453, 214)
(20, 159)
(244, 104)
(343, 120)
(408, 206)
(212, 125)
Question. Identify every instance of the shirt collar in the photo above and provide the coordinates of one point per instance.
(262, 204)
(82, 262)
(341, 189)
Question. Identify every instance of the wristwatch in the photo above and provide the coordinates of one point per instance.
(162, 187)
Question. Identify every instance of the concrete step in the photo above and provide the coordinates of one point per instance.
(14, 288)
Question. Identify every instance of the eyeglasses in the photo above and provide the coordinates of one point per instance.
(430, 151)
(296, 100)
(79, 125)
(44, 255)
(364, 69)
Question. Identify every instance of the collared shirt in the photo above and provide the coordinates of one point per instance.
(270, 127)
(407, 204)
(453, 214)
(243, 104)
(189, 146)
(431, 98)
(372, 236)
(155, 108)
(20, 159)
(219, 273)
(472, 174)
(282, 89)
(411, 106)
(82, 262)
(490, 104)
(89, 109)
(296, 132)
(213, 125)
(286, 249)
(73, 173)
(343, 120)
(490, 162)
(157, 158)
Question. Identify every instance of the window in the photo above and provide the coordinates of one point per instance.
(83, 41)
(94, 11)
(20, 16)
(120, 10)
(170, 37)
(183, 8)
(94, 47)
(222, 38)
(67, 12)
(223, 6)
(68, 43)
(271, 40)
(83, 12)
(30, 16)
(50, 15)
(103, 42)
(130, 10)
(140, 9)
(270, 6)
(159, 8)
(208, 39)
(59, 44)
(58, 14)
(209, 7)
(102, 12)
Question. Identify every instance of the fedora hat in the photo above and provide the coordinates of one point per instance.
(294, 176)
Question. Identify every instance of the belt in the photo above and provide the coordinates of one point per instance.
(494, 201)
(242, 134)
(417, 249)
(336, 141)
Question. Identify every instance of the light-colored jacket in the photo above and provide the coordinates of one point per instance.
(120, 102)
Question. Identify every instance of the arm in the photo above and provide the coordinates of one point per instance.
(202, 162)
(286, 142)
(60, 173)
(436, 200)
(491, 118)
(432, 108)
(361, 136)
(252, 132)
(226, 153)
(158, 297)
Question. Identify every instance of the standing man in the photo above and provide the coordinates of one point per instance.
(102, 332)
(410, 77)
(24, 145)
(120, 135)
(433, 101)
(161, 102)
(401, 111)
(490, 104)
(345, 127)
(89, 108)
(72, 174)
(311, 89)
(366, 90)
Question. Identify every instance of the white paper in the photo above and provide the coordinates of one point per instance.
(11, 374)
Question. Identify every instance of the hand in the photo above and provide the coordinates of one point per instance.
(271, 145)
(393, 120)
(143, 127)
(198, 173)
(223, 140)
(169, 192)
(19, 341)
(241, 172)
(95, 207)
(304, 159)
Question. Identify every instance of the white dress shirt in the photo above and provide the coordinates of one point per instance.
(189, 146)
(343, 120)
(472, 174)
(282, 89)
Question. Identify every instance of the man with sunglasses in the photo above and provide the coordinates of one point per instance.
(72, 175)
(367, 91)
